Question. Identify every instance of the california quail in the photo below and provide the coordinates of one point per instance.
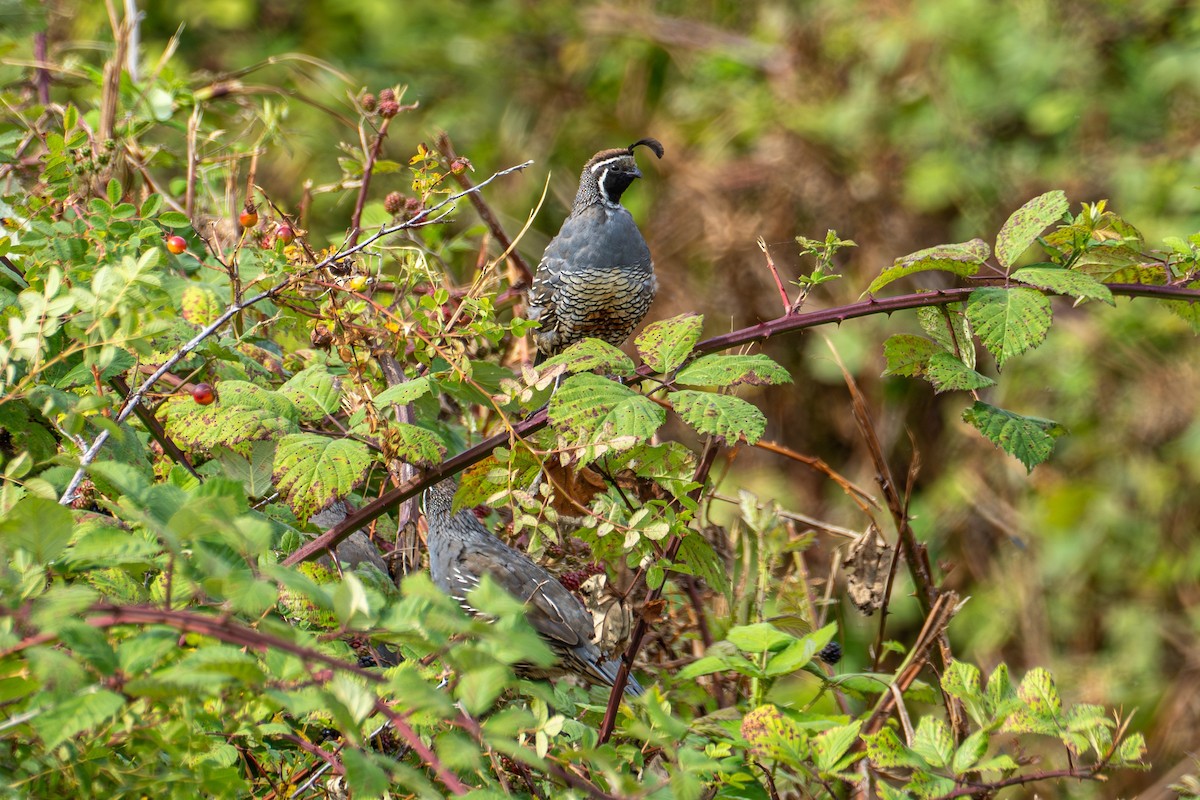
(596, 277)
(462, 550)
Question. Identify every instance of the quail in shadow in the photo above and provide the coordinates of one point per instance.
(462, 551)
(596, 278)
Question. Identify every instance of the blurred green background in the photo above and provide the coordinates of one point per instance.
(901, 125)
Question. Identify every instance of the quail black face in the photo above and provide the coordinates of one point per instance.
(613, 176)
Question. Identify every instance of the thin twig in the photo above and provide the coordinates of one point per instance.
(41, 75)
(400, 722)
(860, 496)
(935, 626)
(783, 295)
(989, 789)
(446, 148)
(107, 615)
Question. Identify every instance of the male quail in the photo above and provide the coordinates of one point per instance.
(596, 277)
(462, 551)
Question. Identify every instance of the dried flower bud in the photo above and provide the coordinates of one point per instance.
(393, 203)
(388, 108)
(412, 207)
(387, 96)
(321, 337)
(368, 102)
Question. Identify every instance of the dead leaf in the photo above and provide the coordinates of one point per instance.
(867, 567)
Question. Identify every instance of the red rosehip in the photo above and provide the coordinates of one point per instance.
(203, 394)
(249, 217)
(176, 244)
(284, 233)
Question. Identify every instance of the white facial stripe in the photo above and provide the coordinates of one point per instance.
(606, 162)
(603, 191)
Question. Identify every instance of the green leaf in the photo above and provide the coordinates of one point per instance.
(729, 370)
(174, 219)
(947, 373)
(1188, 311)
(1000, 763)
(107, 546)
(829, 747)
(887, 751)
(1132, 751)
(705, 665)
(314, 391)
(39, 526)
(594, 415)
(934, 742)
(313, 470)
(698, 554)
(364, 777)
(962, 259)
(800, 652)
(213, 666)
(479, 686)
(757, 637)
(1119, 264)
(907, 354)
(888, 792)
(90, 645)
(948, 326)
(75, 715)
(963, 682)
(916, 356)
(730, 419)
(414, 444)
(1038, 691)
(591, 355)
(969, 752)
(403, 393)
(1028, 439)
(256, 473)
(999, 688)
(351, 606)
(1009, 321)
(772, 735)
(112, 362)
(1026, 224)
(1064, 281)
(1041, 706)
(927, 785)
(27, 431)
(665, 345)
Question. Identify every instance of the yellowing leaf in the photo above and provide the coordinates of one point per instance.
(665, 345)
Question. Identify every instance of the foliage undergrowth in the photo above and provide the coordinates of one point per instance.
(158, 636)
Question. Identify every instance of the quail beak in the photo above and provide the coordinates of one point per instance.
(637, 173)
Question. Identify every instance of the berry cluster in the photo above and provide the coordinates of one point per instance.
(573, 580)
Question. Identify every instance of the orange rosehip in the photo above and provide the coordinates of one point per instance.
(203, 394)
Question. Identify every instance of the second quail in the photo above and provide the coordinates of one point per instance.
(462, 551)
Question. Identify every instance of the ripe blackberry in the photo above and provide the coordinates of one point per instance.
(831, 653)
